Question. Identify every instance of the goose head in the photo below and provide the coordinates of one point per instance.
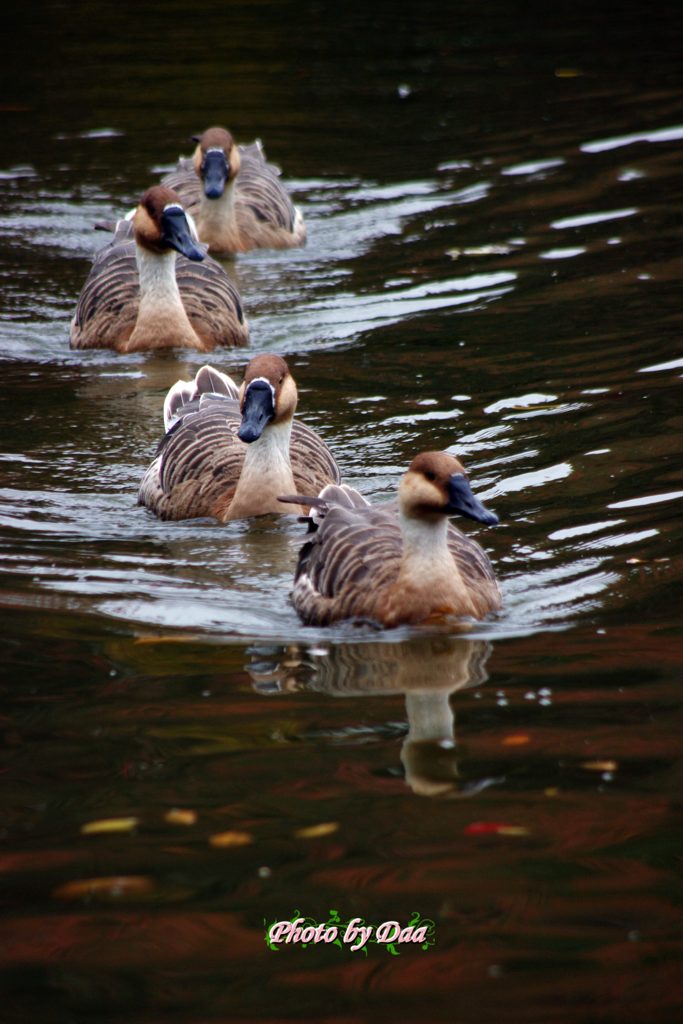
(268, 395)
(216, 160)
(436, 485)
(160, 224)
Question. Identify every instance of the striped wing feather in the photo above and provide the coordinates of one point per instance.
(312, 463)
(211, 302)
(471, 560)
(352, 556)
(260, 196)
(107, 307)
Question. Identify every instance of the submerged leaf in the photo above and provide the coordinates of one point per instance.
(110, 826)
(176, 816)
(231, 838)
(113, 887)
(317, 831)
(600, 766)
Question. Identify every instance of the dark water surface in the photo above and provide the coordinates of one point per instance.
(494, 202)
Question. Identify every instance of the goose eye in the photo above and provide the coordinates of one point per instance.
(430, 475)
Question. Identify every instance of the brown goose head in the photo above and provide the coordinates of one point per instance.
(267, 395)
(160, 224)
(436, 485)
(216, 160)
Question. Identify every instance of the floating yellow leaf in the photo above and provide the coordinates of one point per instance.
(325, 828)
(600, 766)
(551, 791)
(176, 816)
(513, 830)
(109, 826)
(233, 838)
(113, 887)
(568, 73)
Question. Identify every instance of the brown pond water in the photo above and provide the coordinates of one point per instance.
(494, 204)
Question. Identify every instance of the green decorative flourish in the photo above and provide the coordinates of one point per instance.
(334, 921)
(269, 942)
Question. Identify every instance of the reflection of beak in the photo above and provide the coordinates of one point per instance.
(462, 501)
(431, 768)
(258, 409)
(215, 173)
(429, 754)
(175, 232)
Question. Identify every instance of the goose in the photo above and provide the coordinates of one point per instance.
(141, 295)
(236, 196)
(228, 452)
(394, 564)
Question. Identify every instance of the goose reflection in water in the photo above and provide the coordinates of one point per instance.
(427, 670)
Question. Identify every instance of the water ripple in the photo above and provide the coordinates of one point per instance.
(673, 134)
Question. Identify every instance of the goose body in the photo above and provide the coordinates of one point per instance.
(154, 287)
(228, 453)
(236, 197)
(397, 563)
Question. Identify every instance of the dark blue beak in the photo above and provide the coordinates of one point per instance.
(215, 173)
(175, 232)
(258, 410)
(463, 502)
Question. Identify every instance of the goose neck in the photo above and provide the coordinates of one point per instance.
(424, 540)
(157, 278)
(266, 473)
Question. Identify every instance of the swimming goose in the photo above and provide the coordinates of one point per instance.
(141, 295)
(396, 564)
(236, 196)
(229, 452)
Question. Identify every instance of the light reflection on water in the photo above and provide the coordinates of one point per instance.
(426, 671)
